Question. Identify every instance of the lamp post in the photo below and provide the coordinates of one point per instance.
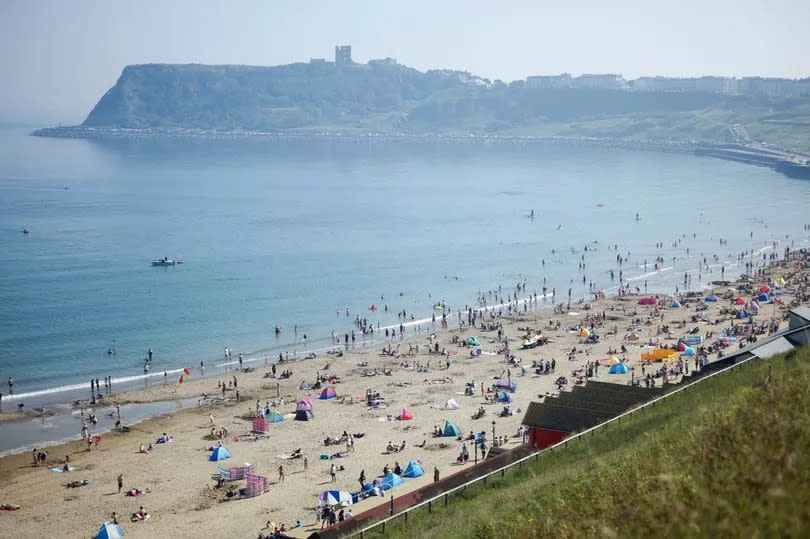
(493, 433)
(475, 443)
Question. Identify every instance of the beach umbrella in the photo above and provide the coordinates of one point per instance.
(405, 415)
(334, 497)
(219, 453)
(109, 530)
(619, 368)
(328, 393)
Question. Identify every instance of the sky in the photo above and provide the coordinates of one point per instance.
(60, 56)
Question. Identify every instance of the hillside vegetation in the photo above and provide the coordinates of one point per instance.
(728, 457)
(398, 99)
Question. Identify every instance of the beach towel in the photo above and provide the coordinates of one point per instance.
(60, 469)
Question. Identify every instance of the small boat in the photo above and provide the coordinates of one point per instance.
(165, 261)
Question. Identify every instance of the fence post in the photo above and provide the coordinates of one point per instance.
(383, 526)
(430, 506)
(392, 504)
(445, 500)
(503, 471)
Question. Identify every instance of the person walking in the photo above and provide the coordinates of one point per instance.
(120, 483)
(306, 463)
(333, 472)
(281, 474)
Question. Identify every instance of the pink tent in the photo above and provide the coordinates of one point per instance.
(405, 415)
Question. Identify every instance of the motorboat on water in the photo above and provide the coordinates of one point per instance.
(166, 261)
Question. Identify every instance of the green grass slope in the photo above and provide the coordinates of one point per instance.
(728, 457)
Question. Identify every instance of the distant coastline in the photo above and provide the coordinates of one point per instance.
(788, 162)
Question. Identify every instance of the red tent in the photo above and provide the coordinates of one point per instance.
(681, 347)
(739, 301)
(764, 288)
(405, 415)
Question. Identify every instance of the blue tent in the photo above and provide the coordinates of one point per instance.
(689, 351)
(219, 453)
(503, 396)
(675, 304)
(619, 368)
(109, 530)
(763, 297)
(390, 481)
(711, 297)
(414, 469)
(742, 313)
(451, 429)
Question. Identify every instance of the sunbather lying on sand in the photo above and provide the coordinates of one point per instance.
(78, 483)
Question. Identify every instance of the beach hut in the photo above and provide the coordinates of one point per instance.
(711, 298)
(390, 481)
(451, 429)
(452, 404)
(689, 351)
(328, 393)
(109, 530)
(675, 304)
(742, 313)
(304, 415)
(219, 453)
(275, 417)
(507, 383)
(473, 341)
(405, 415)
(503, 396)
(334, 497)
(619, 368)
(414, 469)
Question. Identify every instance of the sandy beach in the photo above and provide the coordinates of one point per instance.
(177, 476)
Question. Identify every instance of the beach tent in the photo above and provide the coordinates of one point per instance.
(405, 415)
(307, 400)
(675, 304)
(633, 336)
(452, 404)
(219, 453)
(275, 417)
(305, 405)
(334, 497)
(681, 347)
(109, 530)
(739, 301)
(508, 383)
(473, 341)
(503, 396)
(764, 288)
(711, 298)
(614, 360)
(763, 297)
(390, 481)
(619, 368)
(304, 415)
(328, 393)
(584, 332)
(742, 313)
(689, 351)
(414, 469)
(451, 429)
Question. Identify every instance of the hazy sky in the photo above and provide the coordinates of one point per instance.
(59, 57)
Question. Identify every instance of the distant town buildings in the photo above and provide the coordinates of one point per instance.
(343, 55)
(383, 62)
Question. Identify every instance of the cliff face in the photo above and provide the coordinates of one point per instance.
(261, 98)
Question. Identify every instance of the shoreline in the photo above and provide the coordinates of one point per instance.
(178, 475)
(789, 162)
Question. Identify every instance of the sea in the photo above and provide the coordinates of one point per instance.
(293, 233)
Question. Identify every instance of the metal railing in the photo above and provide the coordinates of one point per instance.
(536, 455)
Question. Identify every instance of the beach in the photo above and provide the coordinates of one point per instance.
(177, 476)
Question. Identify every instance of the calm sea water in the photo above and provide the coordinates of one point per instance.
(281, 233)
